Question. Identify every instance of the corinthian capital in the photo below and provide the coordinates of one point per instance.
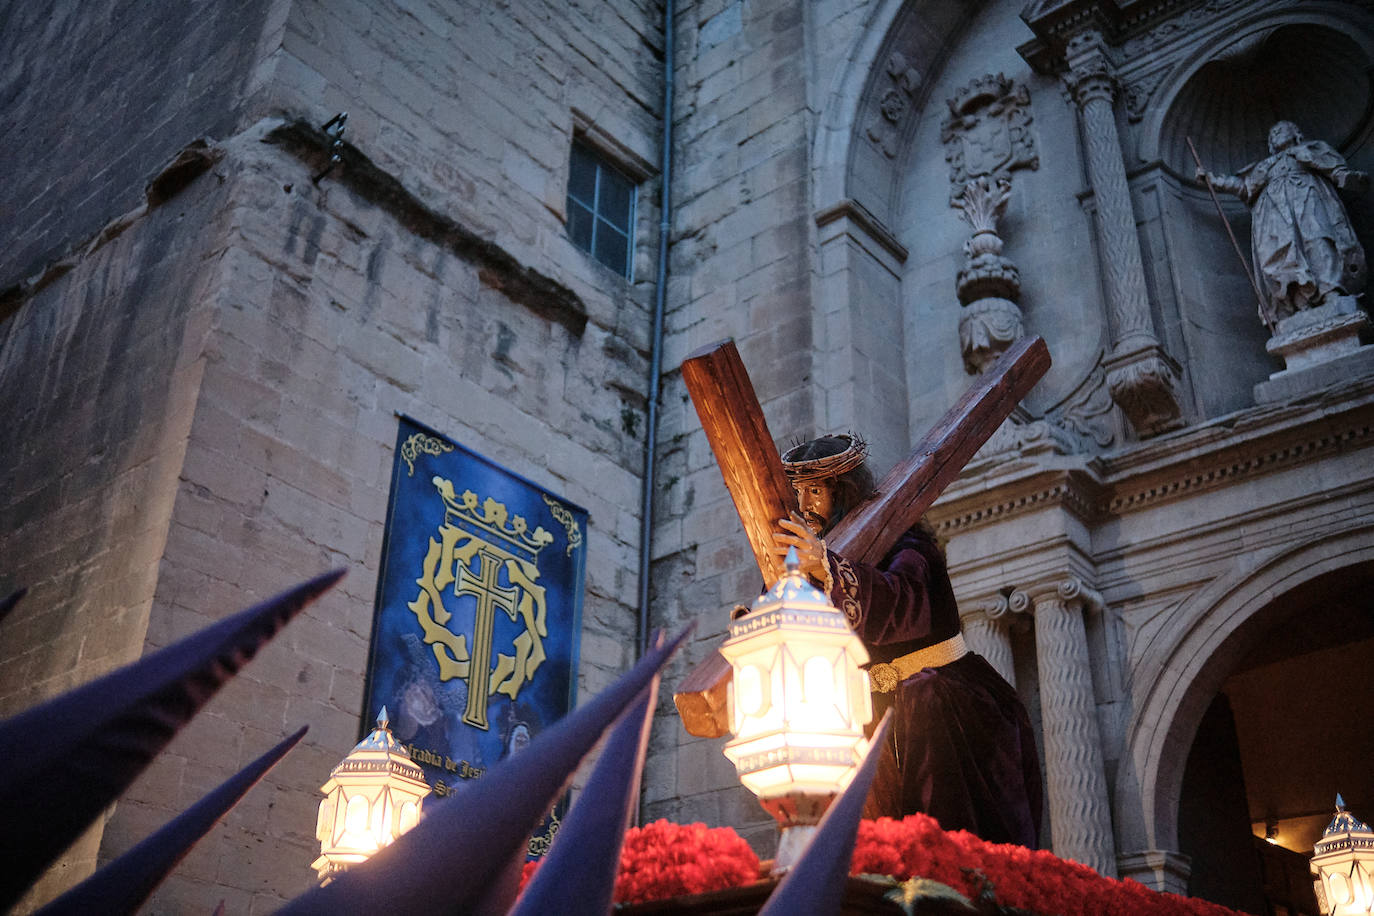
(1091, 74)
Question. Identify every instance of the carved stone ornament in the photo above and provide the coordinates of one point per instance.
(1184, 24)
(1144, 384)
(986, 328)
(894, 97)
(1137, 94)
(988, 284)
(1087, 413)
(986, 272)
(1314, 336)
(1022, 437)
(987, 132)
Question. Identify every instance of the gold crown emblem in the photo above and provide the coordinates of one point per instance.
(469, 511)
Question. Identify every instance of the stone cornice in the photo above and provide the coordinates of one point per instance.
(993, 496)
(1056, 21)
(860, 216)
(1246, 444)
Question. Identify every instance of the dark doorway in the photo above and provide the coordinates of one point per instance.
(1289, 729)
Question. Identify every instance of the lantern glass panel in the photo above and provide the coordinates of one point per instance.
(324, 820)
(356, 834)
(410, 815)
(749, 694)
(818, 682)
(1349, 888)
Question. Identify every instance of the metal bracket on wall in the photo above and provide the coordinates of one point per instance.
(334, 127)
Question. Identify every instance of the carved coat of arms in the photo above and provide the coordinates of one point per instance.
(987, 132)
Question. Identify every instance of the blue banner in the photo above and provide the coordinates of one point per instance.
(479, 600)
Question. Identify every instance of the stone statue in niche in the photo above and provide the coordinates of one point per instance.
(1305, 252)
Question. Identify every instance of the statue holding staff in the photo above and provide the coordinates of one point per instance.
(1301, 239)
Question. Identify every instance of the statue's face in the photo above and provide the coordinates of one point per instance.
(816, 499)
(1283, 135)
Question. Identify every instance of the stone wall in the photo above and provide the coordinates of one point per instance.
(211, 396)
(101, 371)
(98, 96)
(329, 318)
(473, 105)
(742, 265)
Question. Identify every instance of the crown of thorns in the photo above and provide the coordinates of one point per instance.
(843, 461)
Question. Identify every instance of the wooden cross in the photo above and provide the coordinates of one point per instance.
(749, 462)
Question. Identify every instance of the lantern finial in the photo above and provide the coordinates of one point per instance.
(383, 721)
(792, 563)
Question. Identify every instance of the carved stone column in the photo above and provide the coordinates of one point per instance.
(1075, 779)
(985, 630)
(1143, 379)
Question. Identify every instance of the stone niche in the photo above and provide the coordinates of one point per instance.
(1318, 78)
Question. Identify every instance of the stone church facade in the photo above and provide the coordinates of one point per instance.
(206, 334)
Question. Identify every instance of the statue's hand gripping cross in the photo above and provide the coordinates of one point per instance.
(734, 425)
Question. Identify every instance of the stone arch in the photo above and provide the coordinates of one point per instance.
(837, 128)
(1184, 666)
(858, 159)
(846, 166)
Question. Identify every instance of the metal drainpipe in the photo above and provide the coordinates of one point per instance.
(656, 344)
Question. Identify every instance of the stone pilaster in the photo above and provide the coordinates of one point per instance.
(986, 632)
(1142, 378)
(1075, 780)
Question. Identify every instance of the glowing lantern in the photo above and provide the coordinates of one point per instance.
(1343, 864)
(372, 797)
(798, 705)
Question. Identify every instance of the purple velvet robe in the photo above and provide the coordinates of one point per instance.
(962, 741)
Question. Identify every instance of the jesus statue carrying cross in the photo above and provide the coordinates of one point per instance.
(961, 749)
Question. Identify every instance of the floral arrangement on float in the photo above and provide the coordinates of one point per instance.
(1005, 878)
(926, 868)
